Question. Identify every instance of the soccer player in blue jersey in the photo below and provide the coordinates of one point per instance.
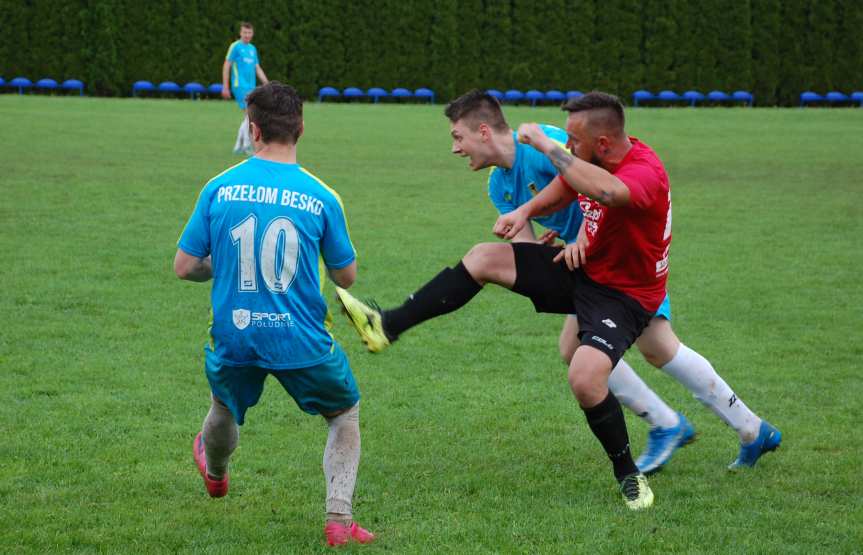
(265, 230)
(518, 172)
(239, 72)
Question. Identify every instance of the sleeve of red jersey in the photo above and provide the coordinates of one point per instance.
(642, 182)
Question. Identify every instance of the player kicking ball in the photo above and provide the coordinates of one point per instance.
(261, 244)
(625, 193)
(519, 172)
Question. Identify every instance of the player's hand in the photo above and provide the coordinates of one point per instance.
(549, 237)
(573, 254)
(508, 225)
(531, 134)
(226, 92)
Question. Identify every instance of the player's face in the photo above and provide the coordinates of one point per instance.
(580, 142)
(246, 34)
(470, 144)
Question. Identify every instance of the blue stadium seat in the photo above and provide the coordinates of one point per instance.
(46, 84)
(73, 85)
(810, 97)
(573, 94)
(401, 92)
(495, 93)
(692, 97)
(142, 86)
(743, 96)
(376, 93)
(423, 92)
(513, 95)
(555, 96)
(718, 96)
(642, 96)
(2, 82)
(328, 92)
(20, 83)
(836, 97)
(353, 92)
(169, 87)
(668, 96)
(534, 96)
(194, 89)
(857, 96)
(215, 89)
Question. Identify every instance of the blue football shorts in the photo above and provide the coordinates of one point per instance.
(664, 310)
(325, 388)
(240, 96)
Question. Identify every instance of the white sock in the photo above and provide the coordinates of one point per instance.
(698, 376)
(247, 135)
(635, 395)
(341, 460)
(221, 435)
(241, 138)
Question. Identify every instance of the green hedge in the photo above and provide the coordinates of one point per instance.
(775, 48)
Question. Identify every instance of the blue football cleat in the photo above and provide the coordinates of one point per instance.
(768, 440)
(662, 443)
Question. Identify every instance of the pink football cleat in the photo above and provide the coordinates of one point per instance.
(216, 488)
(339, 534)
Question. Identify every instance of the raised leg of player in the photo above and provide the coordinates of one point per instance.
(626, 385)
(663, 349)
(221, 435)
(454, 287)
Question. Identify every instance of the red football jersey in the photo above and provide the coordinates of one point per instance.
(629, 244)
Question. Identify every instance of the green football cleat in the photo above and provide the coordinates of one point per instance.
(636, 492)
(365, 319)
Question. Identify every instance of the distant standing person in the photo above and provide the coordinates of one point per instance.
(266, 246)
(239, 72)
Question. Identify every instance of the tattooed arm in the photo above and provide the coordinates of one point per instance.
(555, 196)
(586, 178)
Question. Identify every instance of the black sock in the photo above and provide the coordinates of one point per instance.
(608, 425)
(450, 290)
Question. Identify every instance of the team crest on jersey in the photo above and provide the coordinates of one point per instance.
(507, 197)
(241, 318)
(532, 187)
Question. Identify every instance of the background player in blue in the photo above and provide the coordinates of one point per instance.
(265, 230)
(242, 66)
(518, 172)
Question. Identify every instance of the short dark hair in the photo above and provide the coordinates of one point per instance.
(277, 110)
(477, 107)
(608, 109)
(247, 25)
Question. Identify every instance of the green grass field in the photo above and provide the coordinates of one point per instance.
(472, 442)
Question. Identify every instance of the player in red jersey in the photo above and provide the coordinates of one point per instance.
(617, 274)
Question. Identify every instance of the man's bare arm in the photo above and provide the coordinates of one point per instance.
(192, 268)
(589, 179)
(586, 178)
(259, 71)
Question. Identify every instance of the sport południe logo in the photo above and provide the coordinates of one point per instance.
(242, 317)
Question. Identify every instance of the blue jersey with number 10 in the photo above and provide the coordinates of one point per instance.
(530, 173)
(271, 229)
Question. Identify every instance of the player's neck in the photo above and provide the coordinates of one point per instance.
(504, 145)
(275, 152)
(618, 153)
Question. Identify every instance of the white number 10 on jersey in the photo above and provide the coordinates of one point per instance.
(280, 251)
